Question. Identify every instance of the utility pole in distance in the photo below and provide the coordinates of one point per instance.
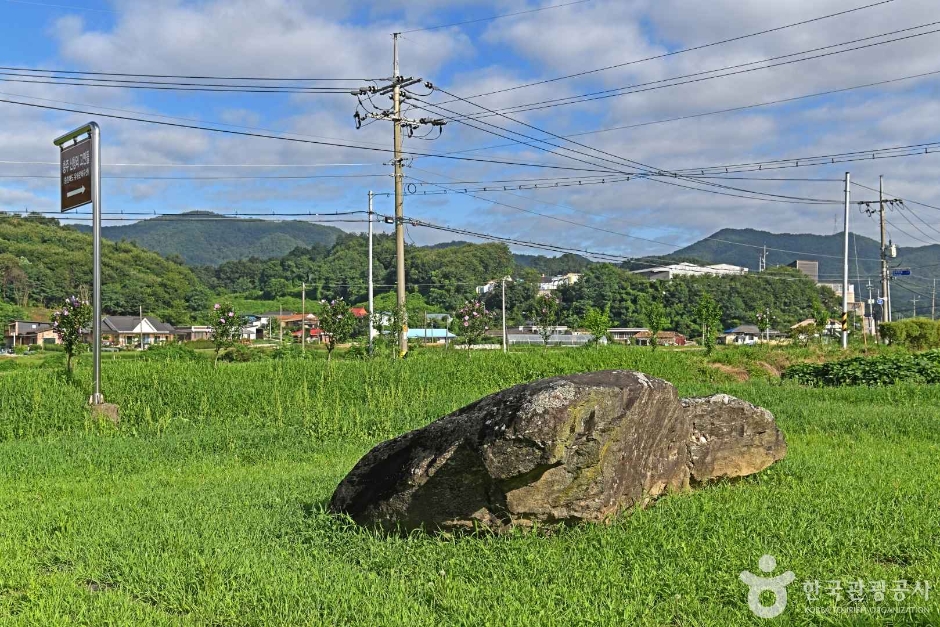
(371, 299)
(914, 301)
(845, 270)
(396, 91)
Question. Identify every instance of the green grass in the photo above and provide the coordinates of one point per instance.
(206, 505)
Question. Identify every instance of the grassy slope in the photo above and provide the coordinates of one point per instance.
(206, 508)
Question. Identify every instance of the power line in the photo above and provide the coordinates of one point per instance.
(496, 17)
(185, 76)
(719, 111)
(698, 77)
(612, 232)
(772, 197)
(289, 139)
(154, 85)
(676, 52)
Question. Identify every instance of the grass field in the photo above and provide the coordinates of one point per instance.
(205, 506)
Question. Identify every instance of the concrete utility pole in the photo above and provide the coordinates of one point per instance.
(886, 306)
(933, 301)
(914, 301)
(395, 91)
(399, 202)
(845, 270)
(371, 299)
(505, 335)
(303, 316)
(141, 327)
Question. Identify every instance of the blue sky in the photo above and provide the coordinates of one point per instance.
(293, 38)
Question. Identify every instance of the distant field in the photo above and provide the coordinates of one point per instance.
(206, 505)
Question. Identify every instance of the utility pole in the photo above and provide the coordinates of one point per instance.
(505, 335)
(762, 265)
(914, 301)
(933, 301)
(371, 300)
(845, 270)
(886, 307)
(141, 327)
(303, 316)
(396, 91)
(399, 203)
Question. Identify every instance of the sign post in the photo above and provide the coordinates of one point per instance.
(80, 169)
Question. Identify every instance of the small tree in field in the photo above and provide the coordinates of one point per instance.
(337, 322)
(655, 315)
(225, 327)
(68, 323)
(472, 323)
(597, 322)
(708, 313)
(546, 315)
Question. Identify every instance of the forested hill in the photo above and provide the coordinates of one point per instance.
(42, 263)
(205, 238)
(783, 248)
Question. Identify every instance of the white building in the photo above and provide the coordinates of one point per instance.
(559, 280)
(664, 273)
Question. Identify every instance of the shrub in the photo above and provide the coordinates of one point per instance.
(241, 354)
(914, 333)
(871, 371)
(171, 351)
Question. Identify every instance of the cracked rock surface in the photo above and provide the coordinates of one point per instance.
(576, 448)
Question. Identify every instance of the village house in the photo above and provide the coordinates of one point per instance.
(29, 333)
(134, 331)
(192, 333)
(663, 338)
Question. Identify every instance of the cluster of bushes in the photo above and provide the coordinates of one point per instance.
(914, 333)
(171, 351)
(882, 370)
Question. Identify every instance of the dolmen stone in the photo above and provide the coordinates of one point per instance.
(576, 448)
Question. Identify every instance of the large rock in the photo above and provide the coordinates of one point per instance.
(575, 448)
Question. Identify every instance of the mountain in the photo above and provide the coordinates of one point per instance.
(43, 262)
(205, 238)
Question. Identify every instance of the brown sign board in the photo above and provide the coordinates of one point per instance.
(77, 164)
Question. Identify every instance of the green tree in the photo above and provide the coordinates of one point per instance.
(708, 313)
(655, 315)
(597, 322)
(69, 322)
(337, 322)
(225, 327)
(545, 315)
(472, 323)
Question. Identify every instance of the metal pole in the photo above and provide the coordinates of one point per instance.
(371, 303)
(505, 337)
(97, 398)
(845, 270)
(399, 208)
